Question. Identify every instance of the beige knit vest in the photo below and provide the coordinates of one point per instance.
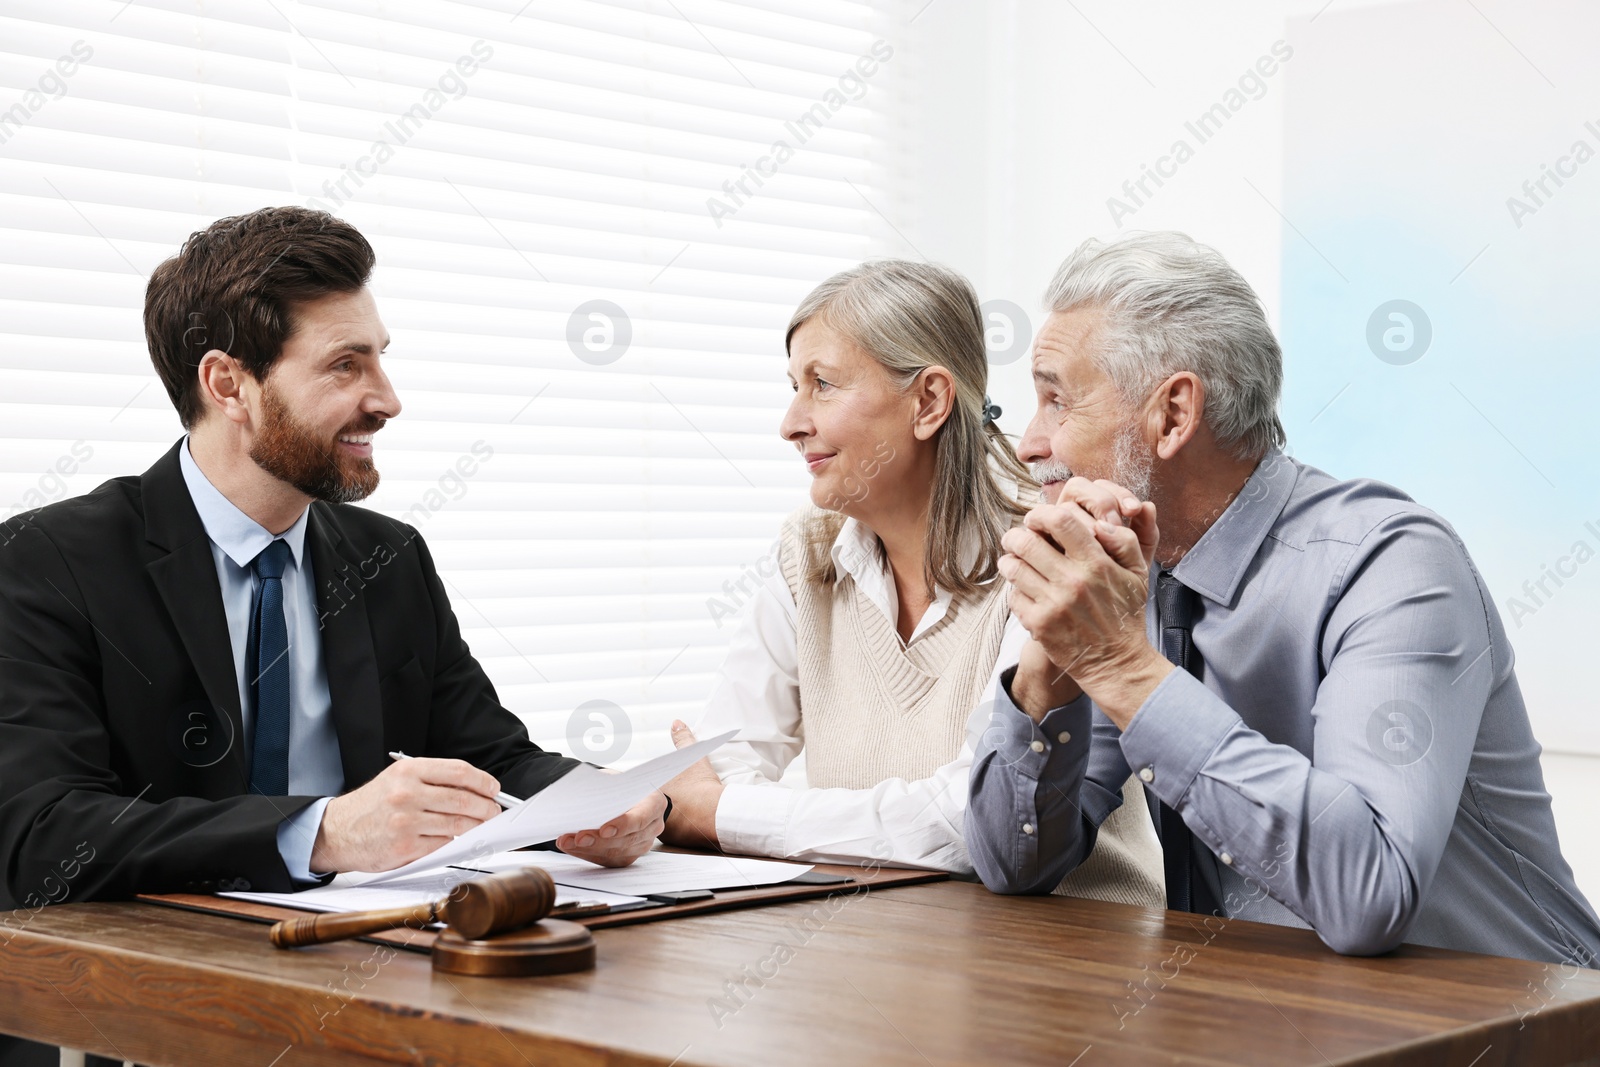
(873, 709)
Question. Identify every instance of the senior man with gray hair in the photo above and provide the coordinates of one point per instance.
(1308, 674)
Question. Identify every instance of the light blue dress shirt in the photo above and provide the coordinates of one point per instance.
(314, 764)
(1356, 759)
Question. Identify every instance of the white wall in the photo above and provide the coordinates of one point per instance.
(1043, 113)
(1387, 143)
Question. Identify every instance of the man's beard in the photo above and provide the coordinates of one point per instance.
(291, 452)
(1131, 465)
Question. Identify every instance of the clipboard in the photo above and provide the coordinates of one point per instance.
(824, 880)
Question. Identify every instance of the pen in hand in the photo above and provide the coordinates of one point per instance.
(504, 799)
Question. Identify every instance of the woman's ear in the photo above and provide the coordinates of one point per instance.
(934, 393)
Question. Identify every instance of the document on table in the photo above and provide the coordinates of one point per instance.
(340, 895)
(582, 799)
(577, 881)
(654, 872)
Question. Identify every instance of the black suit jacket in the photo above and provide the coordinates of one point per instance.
(122, 763)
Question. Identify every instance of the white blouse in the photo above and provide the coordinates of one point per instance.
(758, 694)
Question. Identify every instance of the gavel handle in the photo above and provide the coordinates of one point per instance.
(318, 929)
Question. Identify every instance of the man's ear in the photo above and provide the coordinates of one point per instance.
(1177, 407)
(222, 386)
(934, 392)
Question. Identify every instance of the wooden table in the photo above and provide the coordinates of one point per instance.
(933, 974)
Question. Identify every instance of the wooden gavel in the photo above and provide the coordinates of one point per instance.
(475, 910)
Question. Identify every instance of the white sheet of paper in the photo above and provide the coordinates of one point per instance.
(341, 896)
(654, 872)
(582, 799)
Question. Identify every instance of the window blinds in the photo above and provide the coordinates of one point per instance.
(592, 222)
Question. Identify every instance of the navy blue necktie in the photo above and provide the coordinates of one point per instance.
(269, 676)
(1176, 608)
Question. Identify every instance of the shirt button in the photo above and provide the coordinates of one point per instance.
(1064, 737)
(1037, 746)
(1147, 775)
(1226, 859)
(1027, 828)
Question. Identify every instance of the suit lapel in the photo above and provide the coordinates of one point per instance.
(186, 578)
(347, 649)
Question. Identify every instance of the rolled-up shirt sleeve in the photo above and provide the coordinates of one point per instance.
(1350, 840)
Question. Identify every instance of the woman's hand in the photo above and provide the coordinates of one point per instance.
(623, 839)
(695, 795)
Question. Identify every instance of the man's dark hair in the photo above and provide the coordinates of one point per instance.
(231, 285)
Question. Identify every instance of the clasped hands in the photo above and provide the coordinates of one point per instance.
(1079, 571)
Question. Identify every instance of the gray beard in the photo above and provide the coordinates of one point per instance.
(1131, 465)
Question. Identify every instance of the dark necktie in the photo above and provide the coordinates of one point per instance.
(1176, 608)
(269, 674)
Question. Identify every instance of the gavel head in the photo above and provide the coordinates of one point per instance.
(499, 903)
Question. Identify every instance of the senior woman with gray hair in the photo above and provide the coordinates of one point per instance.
(1308, 675)
(884, 625)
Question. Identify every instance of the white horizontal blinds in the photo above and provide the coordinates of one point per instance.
(694, 167)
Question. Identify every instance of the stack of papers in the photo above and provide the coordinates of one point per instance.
(340, 895)
(584, 799)
(654, 872)
(578, 882)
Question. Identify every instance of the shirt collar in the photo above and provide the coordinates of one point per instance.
(1216, 565)
(239, 536)
(856, 551)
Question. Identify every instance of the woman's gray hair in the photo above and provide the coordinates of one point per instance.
(910, 316)
(1172, 304)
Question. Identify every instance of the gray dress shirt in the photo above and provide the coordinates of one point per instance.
(1357, 758)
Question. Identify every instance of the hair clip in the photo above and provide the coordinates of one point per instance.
(991, 410)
